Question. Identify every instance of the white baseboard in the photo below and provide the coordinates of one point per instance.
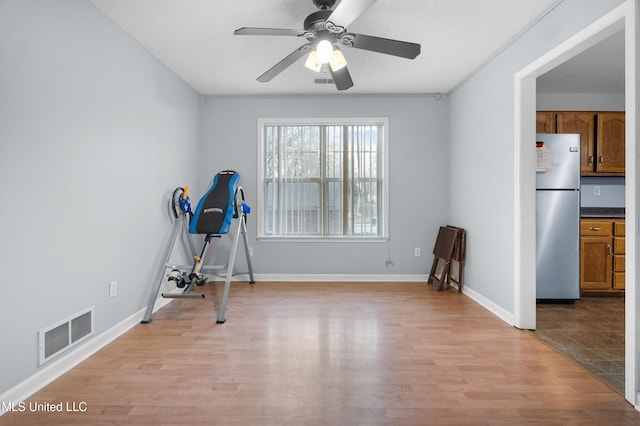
(329, 277)
(66, 362)
(498, 311)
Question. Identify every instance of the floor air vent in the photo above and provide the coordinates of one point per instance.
(65, 334)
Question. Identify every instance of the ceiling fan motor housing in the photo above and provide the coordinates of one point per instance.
(316, 22)
(324, 4)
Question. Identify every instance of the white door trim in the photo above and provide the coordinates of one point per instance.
(624, 16)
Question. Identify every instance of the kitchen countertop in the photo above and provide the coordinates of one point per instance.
(605, 212)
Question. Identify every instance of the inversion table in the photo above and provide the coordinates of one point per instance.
(223, 204)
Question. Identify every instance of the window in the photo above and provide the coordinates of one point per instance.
(323, 178)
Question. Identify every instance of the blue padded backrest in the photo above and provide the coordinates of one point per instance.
(215, 211)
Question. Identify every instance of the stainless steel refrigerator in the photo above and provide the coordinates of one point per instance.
(558, 217)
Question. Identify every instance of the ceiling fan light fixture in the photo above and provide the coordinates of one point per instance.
(337, 61)
(324, 50)
(312, 62)
(325, 30)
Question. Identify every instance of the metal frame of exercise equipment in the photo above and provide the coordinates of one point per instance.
(195, 276)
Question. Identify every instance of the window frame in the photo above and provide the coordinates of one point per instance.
(383, 222)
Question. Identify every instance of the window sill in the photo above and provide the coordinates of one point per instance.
(323, 239)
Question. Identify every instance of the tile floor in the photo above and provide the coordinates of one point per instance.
(590, 331)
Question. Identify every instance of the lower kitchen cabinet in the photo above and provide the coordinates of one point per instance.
(602, 255)
(618, 255)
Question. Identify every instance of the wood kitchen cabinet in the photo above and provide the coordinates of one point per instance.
(583, 123)
(545, 122)
(618, 255)
(602, 255)
(610, 142)
(602, 138)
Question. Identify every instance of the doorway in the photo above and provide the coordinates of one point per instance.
(572, 96)
(622, 17)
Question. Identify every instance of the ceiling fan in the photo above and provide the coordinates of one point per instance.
(325, 30)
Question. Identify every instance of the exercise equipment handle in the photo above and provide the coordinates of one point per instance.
(185, 203)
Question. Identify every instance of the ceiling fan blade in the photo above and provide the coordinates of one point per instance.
(285, 63)
(268, 31)
(341, 78)
(347, 11)
(387, 46)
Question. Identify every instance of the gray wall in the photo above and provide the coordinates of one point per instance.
(596, 191)
(418, 153)
(580, 101)
(94, 134)
(482, 152)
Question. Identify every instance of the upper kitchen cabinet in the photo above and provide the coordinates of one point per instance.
(545, 122)
(583, 123)
(602, 138)
(610, 143)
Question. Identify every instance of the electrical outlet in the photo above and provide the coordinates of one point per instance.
(596, 190)
(250, 251)
(113, 288)
(417, 251)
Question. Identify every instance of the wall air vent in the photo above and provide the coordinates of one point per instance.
(323, 81)
(65, 334)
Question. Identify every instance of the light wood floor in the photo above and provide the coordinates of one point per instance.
(329, 354)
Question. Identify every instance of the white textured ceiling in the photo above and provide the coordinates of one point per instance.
(195, 39)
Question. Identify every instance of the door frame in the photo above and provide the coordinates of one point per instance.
(625, 17)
